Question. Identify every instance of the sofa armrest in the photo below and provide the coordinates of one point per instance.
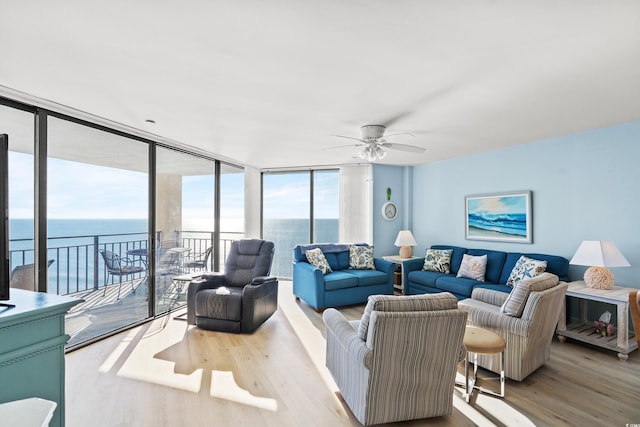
(490, 296)
(308, 284)
(413, 264)
(343, 339)
(260, 280)
(384, 265)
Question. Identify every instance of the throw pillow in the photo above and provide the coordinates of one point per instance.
(526, 268)
(473, 267)
(517, 299)
(423, 302)
(361, 257)
(438, 260)
(317, 258)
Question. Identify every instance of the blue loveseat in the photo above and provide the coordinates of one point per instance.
(343, 286)
(499, 266)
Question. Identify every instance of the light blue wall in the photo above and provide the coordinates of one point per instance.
(399, 179)
(585, 187)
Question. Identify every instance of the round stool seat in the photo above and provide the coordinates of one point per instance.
(483, 341)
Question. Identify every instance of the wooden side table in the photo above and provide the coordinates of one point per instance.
(400, 261)
(582, 330)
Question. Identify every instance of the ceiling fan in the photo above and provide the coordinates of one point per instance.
(373, 141)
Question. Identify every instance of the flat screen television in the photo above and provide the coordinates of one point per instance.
(4, 218)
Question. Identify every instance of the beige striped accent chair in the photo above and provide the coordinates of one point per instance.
(526, 318)
(399, 361)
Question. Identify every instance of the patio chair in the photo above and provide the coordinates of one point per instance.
(200, 261)
(118, 266)
(23, 276)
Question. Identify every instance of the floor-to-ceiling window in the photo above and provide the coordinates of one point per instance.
(97, 226)
(231, 208)
(85, 200)
(18, 125)
(185, 226)
(298, 208)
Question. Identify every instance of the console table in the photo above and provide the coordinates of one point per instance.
(32, 341)
(583, 330)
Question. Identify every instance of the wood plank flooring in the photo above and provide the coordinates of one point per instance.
(166, 373)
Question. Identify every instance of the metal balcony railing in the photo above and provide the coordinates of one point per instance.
(77, 265)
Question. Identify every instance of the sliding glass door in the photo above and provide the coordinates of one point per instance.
(185, 226)
(97, 226)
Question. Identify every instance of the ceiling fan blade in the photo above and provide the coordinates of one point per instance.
(344, 146)
(396, 134)
(348, 137)
(404, 147)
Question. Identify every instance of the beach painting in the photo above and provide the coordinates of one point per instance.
(503, 217)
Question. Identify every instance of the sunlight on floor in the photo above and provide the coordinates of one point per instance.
(143, 365)
(310, 337)
(224, 386)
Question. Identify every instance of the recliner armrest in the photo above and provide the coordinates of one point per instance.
(263, 279)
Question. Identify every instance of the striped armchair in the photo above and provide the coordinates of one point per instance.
(399, 361)
(528, 335)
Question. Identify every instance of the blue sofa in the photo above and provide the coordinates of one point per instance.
(343, 286)
(499, 266)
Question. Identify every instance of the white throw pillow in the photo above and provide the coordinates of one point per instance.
(473, 267)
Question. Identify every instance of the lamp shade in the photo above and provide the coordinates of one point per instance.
(405, 238)
(599, 254)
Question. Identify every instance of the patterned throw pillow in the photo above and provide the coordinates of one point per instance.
(361, 257)
(526, 268)
(438, 260)
(317, 258)
(422, 302)
(517, 299)
(473, 267)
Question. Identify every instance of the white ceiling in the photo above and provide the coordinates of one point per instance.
(267, 83)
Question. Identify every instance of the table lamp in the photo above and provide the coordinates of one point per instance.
(405, 240)
(599, 255)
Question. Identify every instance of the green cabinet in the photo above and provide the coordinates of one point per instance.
(32, 341)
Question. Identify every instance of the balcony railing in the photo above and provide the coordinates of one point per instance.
(77, 265)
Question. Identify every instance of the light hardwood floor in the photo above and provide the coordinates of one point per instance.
(166, 373)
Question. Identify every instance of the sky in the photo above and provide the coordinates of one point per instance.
(79, 190)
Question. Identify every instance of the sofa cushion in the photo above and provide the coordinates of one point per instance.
(339, 280)
(361, 257)
(517, 299)
(526, 268)
(473, 267)
(317, 259)
(456, 256)
(456, 285)
(427, 302)
(495, 261)
(422, 277)
(221, 303)
(369, 277)
(438, 260)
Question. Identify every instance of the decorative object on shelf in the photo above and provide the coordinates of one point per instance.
(598, 255)
(603, 326)
(501, 217)
(405, 240)
(389, 211)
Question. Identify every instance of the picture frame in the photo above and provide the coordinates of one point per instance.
(499, 217)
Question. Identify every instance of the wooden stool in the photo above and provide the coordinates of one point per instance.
(482, 341)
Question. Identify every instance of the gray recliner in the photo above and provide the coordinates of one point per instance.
(240, 299)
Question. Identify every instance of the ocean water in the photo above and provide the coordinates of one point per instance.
(514, 224)
(287, 233)
(71, 244)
